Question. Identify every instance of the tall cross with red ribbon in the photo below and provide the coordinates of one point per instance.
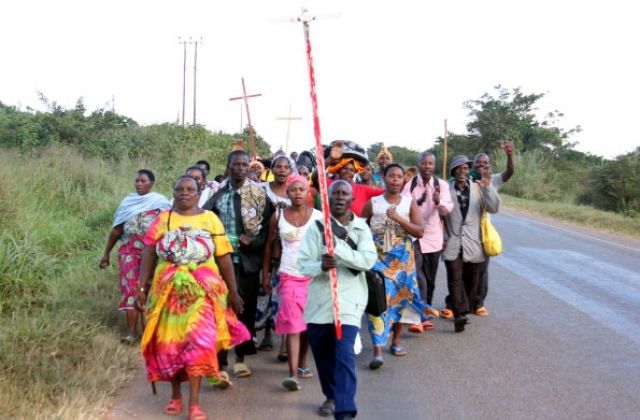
(322, 178)
(244, 97)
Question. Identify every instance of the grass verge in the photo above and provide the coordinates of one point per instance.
(580, 215)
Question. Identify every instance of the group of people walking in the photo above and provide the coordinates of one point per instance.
(196, 267)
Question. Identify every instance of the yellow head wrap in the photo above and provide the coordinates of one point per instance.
(384, 151)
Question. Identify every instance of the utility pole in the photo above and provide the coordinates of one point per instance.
(184, 76)
(195, 70)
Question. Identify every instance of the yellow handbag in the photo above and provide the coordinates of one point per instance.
(491, 241)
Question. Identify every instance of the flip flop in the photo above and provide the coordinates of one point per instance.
(241, 370)
(196, 413)
(482, 311)
(305, 373)
(398, 351)
(173, 408)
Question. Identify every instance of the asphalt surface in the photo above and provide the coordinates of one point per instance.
(562, 342)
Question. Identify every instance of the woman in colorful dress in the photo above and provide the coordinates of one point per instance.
(131, 221)
(190, 308)
(281, 167)
(291, 226)
(394, 219)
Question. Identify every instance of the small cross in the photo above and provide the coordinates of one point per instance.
(288, 118)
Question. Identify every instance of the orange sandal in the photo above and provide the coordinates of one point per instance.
(482, 311)
(446, 313)
(174, 407)
(196, 413)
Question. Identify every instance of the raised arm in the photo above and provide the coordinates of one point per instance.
(413, 226)
(511, 167)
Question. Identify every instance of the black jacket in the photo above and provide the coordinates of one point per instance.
(250, 256)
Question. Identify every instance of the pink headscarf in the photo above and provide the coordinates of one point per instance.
(296, 178)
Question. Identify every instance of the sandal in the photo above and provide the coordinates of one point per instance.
(266, 344)
(428, 326)
(241, 370)
(221, 382)
(283, 356)
(446, 313)
(129, 340)
(291, 383)
(376, 362)
(196, 413)
(304, 373)
(416, 328)
(174, 407)
(398, 350)
(482, 311)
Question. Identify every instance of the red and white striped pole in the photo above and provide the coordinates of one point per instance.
(322, 179)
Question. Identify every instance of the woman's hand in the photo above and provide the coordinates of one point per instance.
(266, 284)
(392, 213)
(104, 262)
(141, 302)
(236, 303)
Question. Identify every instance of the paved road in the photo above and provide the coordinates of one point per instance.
(562, 342)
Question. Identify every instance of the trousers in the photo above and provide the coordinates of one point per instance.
(483, 283)
(426, 270)
(336, 365)
(462, 280)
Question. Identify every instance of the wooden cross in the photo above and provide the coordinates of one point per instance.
(288, 118)
(246, 104)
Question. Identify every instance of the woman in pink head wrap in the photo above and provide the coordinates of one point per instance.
(290, 228)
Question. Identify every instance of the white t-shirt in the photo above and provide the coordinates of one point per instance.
(496, 180)
(291, 238)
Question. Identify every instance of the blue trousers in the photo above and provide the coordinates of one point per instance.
(336, 365)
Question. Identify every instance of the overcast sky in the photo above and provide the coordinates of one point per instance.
(388, 71)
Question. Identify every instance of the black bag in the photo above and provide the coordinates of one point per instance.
(377, 302)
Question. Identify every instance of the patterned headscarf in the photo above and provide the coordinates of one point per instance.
(334, 169)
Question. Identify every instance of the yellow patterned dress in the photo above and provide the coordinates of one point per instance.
(188, 320)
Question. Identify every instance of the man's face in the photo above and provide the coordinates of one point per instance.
(426, 166)
(340, 200)
(238, 168)
(461, 173)
(481, 161)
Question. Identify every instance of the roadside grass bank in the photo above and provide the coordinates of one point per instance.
(60, 355)
(581, 215)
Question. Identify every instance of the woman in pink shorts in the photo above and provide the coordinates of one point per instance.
(290, 225)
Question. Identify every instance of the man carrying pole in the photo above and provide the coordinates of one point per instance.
(331, 344)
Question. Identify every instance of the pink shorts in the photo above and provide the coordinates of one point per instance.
(292, 292)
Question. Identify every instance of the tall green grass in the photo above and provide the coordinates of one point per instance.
(60, 355)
